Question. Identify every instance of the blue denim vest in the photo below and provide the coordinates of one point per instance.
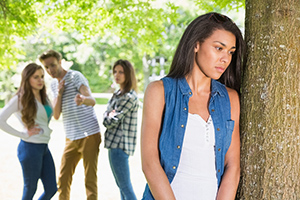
(177, 94)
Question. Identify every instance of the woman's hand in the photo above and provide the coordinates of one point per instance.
(61, 87)
(112, 114)
(34, 130)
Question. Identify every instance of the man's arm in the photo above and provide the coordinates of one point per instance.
(57, 100)
(85, 97)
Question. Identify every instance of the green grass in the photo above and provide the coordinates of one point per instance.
(101, 101)
(1, 103)
(104, 101)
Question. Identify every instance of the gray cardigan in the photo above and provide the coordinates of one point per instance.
(41, 120)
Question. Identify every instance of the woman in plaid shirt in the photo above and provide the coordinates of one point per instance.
(120, 119)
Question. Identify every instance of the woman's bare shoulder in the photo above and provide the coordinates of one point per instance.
(155, 87)
(234, 103)
(154, 95)
(233, 95)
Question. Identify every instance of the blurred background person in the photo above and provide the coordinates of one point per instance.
(33, 109)
(73, 99)
(120, 119)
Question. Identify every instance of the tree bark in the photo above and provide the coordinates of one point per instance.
(270, 102)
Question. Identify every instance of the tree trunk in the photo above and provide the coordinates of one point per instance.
(270, 102)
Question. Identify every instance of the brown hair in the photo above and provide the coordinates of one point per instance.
(50, 53)
(26, 96)
(130, 80)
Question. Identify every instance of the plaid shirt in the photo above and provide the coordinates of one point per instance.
(121, 125)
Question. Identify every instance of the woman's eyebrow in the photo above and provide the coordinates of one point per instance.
(224, 45)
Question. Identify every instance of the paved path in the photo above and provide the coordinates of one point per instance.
(11, 174)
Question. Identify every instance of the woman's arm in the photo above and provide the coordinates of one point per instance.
(231, 176)
(154, 102)
(124, 105)
(10, 108)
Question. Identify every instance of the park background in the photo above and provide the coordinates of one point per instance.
(144, 32)
(93, 34)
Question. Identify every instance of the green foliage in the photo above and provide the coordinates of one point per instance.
(173, 33)
(17, 20)
(93, 34)
(6, 84)
(218, 5)
(89, 19)
(135, 21)
(110, 29)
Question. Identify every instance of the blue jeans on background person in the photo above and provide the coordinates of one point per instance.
(37, 163)
(118, 160)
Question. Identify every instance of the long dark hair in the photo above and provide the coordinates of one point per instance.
(26, 96)
(130, 80)
(197, 31)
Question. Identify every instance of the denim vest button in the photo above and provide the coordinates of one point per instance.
(219, 170)
(219, 149)
(174, 167)
(218, 129)
(213, 110)
(182, 125)
(178, 147)
(184, 108)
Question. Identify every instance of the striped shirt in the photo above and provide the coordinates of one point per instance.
(79, 121)
(122, 127)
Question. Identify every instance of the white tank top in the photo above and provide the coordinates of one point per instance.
(195, 178)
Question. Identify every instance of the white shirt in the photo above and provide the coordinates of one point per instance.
(41, 120)
(195, 178)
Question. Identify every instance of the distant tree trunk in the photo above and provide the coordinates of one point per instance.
(270, 102)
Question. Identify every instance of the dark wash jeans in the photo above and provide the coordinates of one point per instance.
(37, 163)
(118, 160)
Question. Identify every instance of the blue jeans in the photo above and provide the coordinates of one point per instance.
(37, 163)
(118, 160)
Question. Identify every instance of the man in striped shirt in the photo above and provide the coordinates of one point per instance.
(72, 98)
